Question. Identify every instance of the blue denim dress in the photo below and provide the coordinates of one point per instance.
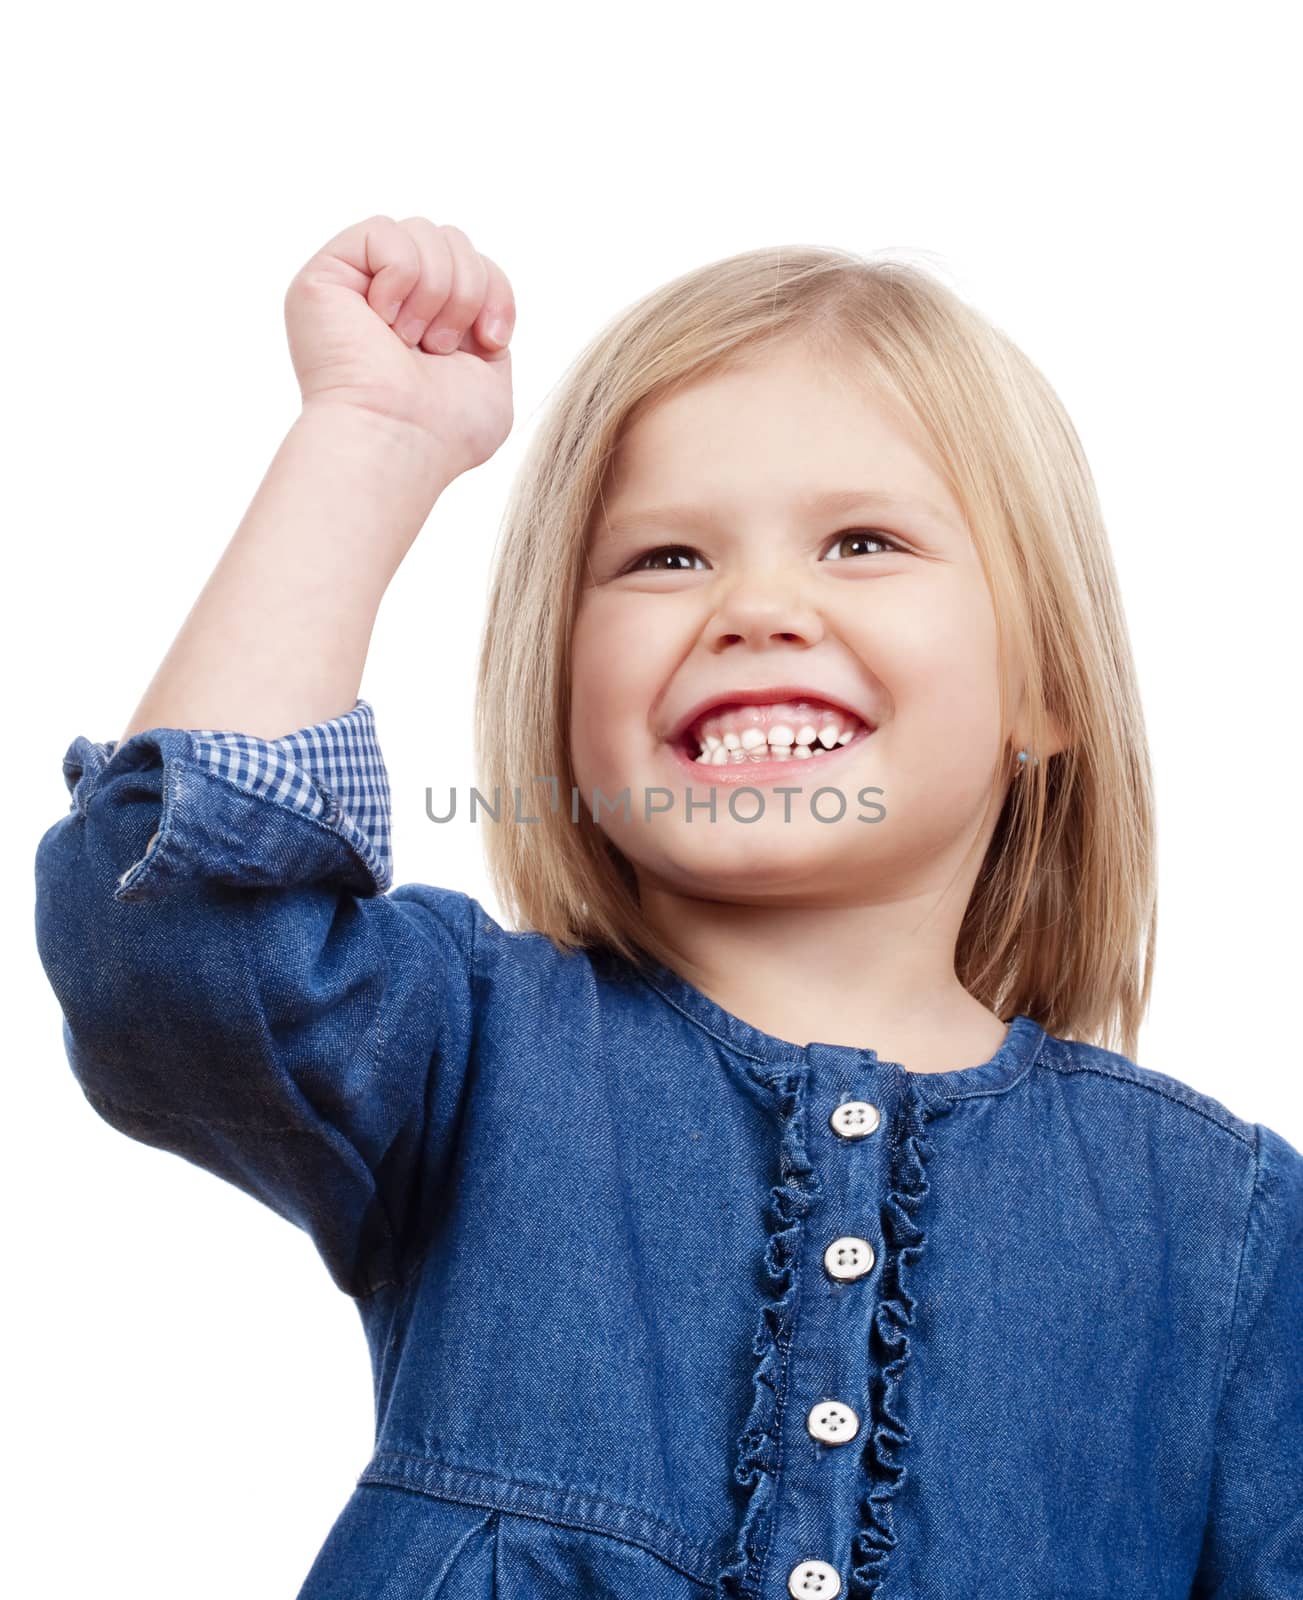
(661, 1306)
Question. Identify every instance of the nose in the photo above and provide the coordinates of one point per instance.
(761, 609)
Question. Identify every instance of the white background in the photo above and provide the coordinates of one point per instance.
(190, 1398)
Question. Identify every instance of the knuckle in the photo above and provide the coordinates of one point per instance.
(462, 307)
(471, 295)
(427, 297)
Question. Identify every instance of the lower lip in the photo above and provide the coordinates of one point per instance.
(755, 772)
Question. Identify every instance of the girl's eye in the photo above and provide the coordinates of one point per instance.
(859, 536)
(662, 550)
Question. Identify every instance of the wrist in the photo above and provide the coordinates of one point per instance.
(400, 447)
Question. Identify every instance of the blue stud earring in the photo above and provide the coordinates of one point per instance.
(1022, 760)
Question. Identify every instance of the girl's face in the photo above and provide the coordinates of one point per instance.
(772, 530)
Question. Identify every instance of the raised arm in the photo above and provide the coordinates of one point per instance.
(279, 635)
(237, 986)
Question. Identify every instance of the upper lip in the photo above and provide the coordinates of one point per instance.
(770, 694)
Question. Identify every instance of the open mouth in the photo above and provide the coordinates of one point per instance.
(754, 735)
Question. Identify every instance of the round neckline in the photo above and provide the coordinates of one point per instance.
(1012, 1060)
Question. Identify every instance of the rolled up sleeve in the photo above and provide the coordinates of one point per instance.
(239, 985)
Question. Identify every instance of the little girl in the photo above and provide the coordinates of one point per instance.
(779, 1212)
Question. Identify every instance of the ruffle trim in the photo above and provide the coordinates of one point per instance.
(889, 1344)
(758, 1446)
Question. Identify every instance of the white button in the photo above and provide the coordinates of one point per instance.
(854, 1118)
(848, 1257)
(813, 1580)
(832, 1422)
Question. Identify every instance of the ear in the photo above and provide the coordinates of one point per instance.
(1050, 742)
(1053, 741)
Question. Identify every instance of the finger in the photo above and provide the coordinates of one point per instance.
(464, 297)
(497, 318)
(374, 257)
(433, 284)
(390, 257)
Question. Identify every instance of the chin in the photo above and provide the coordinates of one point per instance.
(720, 859)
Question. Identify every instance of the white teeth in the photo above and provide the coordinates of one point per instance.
(752, 749)
(748, 739)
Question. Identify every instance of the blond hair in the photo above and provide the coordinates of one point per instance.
(1063, 914)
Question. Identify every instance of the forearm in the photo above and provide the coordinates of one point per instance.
(279, 635)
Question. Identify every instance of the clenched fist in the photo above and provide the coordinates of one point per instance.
(409, 321)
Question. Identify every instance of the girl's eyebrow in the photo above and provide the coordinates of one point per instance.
(829, 501)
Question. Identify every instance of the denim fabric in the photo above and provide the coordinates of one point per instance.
(597, 1231)
(332, 770)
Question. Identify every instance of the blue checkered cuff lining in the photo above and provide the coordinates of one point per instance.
(331, 771)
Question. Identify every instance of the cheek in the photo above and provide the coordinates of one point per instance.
(942, 661)
(609, 691)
